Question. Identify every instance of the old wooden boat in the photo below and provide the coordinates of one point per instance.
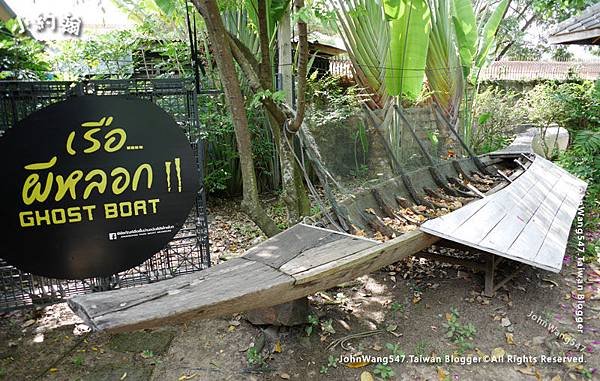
(511, 204)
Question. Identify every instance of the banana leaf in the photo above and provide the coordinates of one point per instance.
(490, 28)
(365, 33)
(410, 25)
(465, 25)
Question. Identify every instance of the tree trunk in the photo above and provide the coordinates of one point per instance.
(294, 191)
(302, 31)
(223, 57)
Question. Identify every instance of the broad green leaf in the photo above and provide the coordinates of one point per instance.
(392, 8)
(167, 6)
(407, 53)
(275, 9)
(489, 31)
(465, 25)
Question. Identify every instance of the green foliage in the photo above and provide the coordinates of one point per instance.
(579, 105)
(555, 11)
(465, 26)
(360, 140)
(275, 10)
(260, 96)
(385, 372)
(332, 362)
(78, 360)
(222, 172)
(396, 307)
(574, 105)
(421, 348)
(21, 57)
(541, 105)
(489, 32)
(409, 27)
(327, 326)
(458, 51)
(514, 33)
(146, 353)
(395, 349)
(313, 322)
(329, 101)
(217, 132)
(495, 113)
(318, 15)
(105, 56)
(365, 30)
(460, 334)
(254, 357)
(583, 160)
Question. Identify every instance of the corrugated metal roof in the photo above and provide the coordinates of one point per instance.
(583, 29)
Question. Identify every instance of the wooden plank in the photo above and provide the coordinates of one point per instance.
(234, 286)
(242, 285)
(490, 211)
(514, 221)
(479, 224)
(556, 231)
(324, 254)
(520, 195)
(370, 259)
(528, 221)
(531, 238)
(288, 244)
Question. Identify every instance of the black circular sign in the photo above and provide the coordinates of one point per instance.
(92, 186)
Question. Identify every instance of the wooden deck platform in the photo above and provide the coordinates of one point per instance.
(297, 262)
(528, 221)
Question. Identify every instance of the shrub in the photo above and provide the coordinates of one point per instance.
(496, 113)
(21, 57)
(573, 105)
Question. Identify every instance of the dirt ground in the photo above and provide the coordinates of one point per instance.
(411, 310)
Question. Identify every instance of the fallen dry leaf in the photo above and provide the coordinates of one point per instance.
(528, 371)
(556, 378)
(345, 325)
(359, 232)
(358, 364)
(184, 377)
(498, 352)
(550, 281)
(278, 348)
(442, 374)
(366, 376)
(284, 376)
(509, 338)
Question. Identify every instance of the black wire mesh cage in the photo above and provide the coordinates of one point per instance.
(186, 253)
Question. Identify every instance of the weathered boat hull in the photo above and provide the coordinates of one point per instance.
(291, 265)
